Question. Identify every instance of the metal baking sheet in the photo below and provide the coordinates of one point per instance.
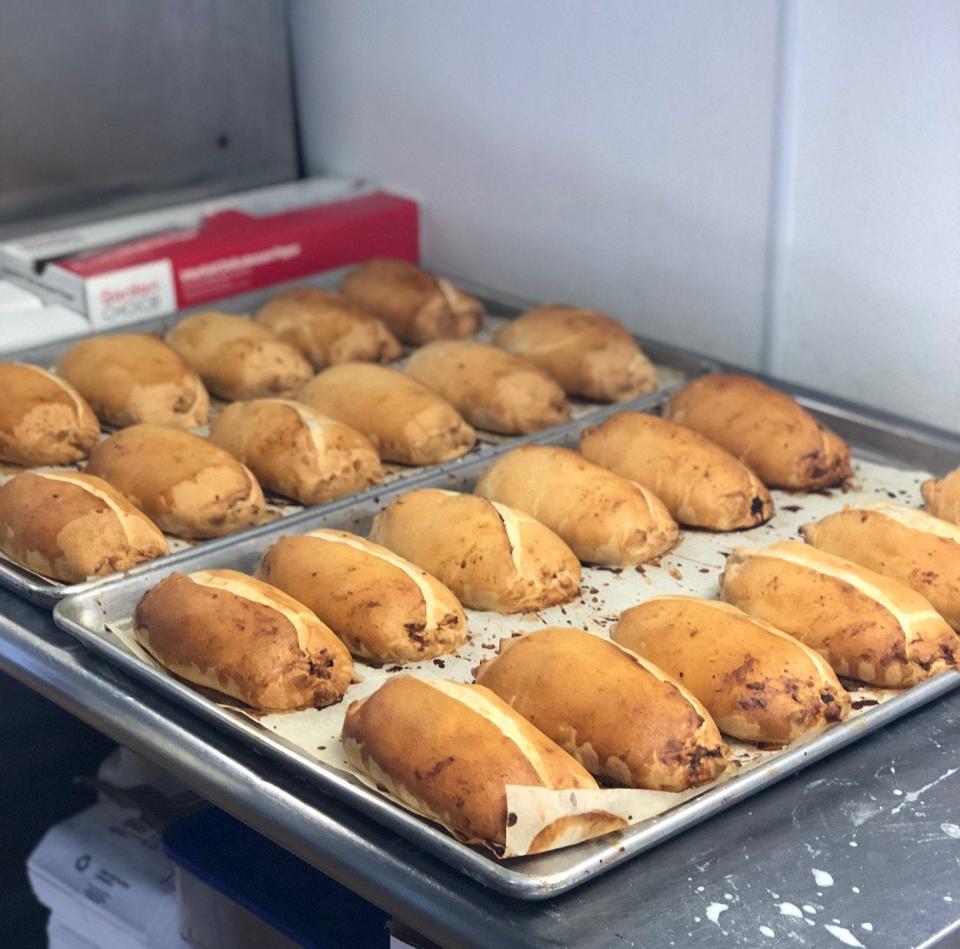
(674, 367)
(693, 567)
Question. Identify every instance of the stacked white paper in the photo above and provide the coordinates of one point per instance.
(104, 876)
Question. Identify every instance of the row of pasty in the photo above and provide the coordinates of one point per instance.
(518, 386)
(587, 353)
(396, 597)
(70, 526)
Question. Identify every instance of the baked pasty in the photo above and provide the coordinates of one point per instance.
(134, 377)
(226, 631)
(765, 429)
(327, 327)
(237, 358)
(406, 422)
(758, 683)
(185, 484)
(43, 419)
(587, 352)
(604, 518)
(450, 750)
(620, 716)
(70, 526)
(417, 306)
(383, 607)
(700, 484)
(867, 626)
(899, 542)
(295, 451)
(493, 389)
(491, 556)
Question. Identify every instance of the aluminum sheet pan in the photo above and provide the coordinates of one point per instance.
(692, 567)
(674, 367)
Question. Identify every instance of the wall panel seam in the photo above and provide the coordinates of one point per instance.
(783, 148)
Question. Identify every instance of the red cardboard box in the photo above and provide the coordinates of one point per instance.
(225, 251)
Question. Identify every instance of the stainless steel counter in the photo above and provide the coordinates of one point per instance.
(868, 837)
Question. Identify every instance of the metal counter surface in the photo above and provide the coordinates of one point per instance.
(862, 848)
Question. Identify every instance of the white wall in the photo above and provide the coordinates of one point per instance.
(867, 299)
(769, 183)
